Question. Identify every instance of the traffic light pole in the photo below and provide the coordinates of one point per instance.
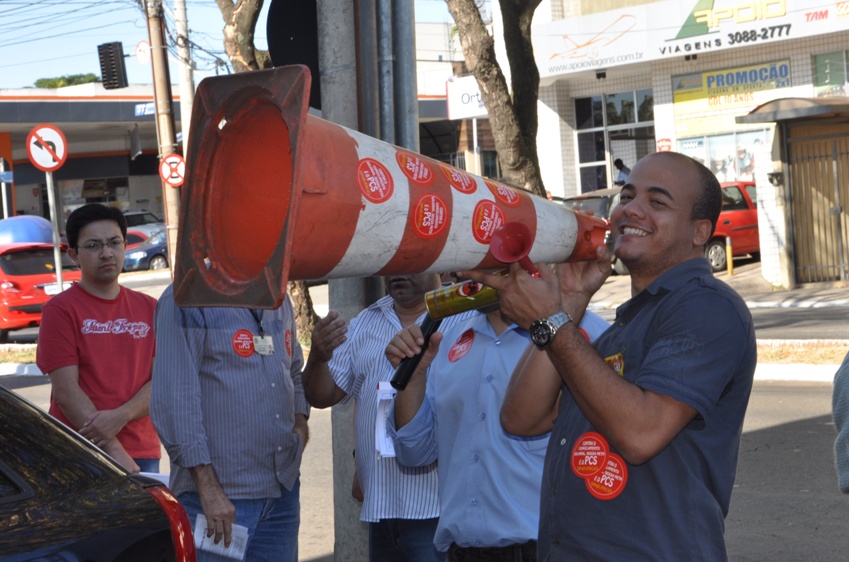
(164, 116)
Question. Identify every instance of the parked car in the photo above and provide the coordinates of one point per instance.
(599, 203)
(27, 281)
(150, 254)
(136, 237)
(738, 219)
(63, 499)
(138, 218)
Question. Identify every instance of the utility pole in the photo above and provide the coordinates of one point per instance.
(164, 115)
(187, 81)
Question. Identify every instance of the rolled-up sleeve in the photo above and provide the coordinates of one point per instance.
(415, 443)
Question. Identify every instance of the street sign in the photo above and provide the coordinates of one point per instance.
(47, 147)
(172, 170)
(7, 177)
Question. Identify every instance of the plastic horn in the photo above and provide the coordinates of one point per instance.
(511, 243)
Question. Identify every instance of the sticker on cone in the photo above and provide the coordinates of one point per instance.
(486, 219)
(374, 180)
(431, 216)
(415, 168)
(460, 181)
(503, 193)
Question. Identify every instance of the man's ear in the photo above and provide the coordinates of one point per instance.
(72, 253)
(701, 235)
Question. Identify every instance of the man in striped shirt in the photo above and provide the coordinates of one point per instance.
(230, 410)
(400, 504)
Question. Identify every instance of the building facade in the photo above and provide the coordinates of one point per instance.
(622, 79)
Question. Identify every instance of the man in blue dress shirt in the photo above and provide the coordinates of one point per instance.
(489, 481)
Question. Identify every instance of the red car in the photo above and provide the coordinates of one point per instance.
(136, 237)
(739, 220)
(27, 281)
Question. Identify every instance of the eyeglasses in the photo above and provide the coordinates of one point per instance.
(94, 246)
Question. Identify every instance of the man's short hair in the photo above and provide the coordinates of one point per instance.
(89, 213)
(618, 163)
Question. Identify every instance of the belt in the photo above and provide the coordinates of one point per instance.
(525, 552)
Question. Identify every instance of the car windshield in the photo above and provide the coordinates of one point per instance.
(158, 238)
(33, 262)
(597, 206)
(136, 219)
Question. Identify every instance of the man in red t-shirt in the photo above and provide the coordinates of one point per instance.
(96, 343)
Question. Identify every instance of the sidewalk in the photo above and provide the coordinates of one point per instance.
(748, 282)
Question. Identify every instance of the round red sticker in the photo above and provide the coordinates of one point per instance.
(415, 168)
(460, 181)
(486, 219)
(288, 339)
(610, 480)
(589, 454)
(462, 346)
(243, 343)
(374, 180)
(431, 216)
(503, 193)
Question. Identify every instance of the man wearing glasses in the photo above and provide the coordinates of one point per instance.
(96, 343)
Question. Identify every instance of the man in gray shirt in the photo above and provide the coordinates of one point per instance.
(229, 407)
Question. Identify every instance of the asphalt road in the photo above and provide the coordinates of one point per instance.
(786, 506)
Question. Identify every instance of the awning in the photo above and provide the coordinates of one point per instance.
(786, 109)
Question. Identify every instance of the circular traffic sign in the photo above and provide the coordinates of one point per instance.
(47, 147)
(172, 170)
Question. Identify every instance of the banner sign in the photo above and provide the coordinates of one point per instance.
(709, 101)
(675, 28)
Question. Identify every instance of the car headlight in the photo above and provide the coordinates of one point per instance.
(137, 255)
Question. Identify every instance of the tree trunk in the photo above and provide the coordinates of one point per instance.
(513, 119)
(305, 316)
(239, 24)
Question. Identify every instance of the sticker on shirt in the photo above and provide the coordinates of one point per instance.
(462, 346)
(243, 343)
(617, 362)
(288, 339)
(589, 455)
(609, 482)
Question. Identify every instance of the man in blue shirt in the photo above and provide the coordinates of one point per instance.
(489, 481)
(645, 436)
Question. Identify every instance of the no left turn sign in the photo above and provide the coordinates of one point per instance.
(172, 170)
(47, 147)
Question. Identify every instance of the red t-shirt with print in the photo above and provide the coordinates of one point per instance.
(112, 344)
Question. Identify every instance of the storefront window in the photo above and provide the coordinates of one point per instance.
(591, 147)
(830, 74)
(588, 113)
(625, 129)
(645, 106)
(620, 108)
(730, 156)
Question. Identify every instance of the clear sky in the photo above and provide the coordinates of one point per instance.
(53, 38)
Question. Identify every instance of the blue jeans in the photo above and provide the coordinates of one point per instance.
(403, 540)
(148, 465)
(272, 525)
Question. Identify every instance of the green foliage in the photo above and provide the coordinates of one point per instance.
(63, 81)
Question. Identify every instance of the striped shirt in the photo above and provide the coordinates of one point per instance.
(217, 400)
(390, 491)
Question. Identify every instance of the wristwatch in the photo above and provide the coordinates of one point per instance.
(542, 331)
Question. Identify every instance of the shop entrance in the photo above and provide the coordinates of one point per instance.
(818, 165)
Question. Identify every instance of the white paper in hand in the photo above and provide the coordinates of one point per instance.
(238, 545)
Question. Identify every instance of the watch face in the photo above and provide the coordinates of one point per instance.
(541, 333)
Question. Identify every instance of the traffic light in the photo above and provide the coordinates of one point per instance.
(112, 67)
